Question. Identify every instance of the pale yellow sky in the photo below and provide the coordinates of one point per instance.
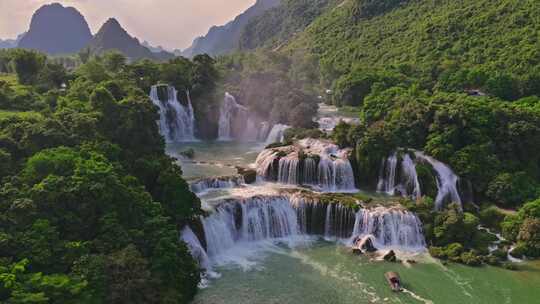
(170, 23)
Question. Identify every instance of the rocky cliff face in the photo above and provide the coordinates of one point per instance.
(56, 29)
(223, 39)
(112, 36)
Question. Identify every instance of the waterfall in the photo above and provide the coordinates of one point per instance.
(412, 184)
(249, 220)
(402, 178)
(263, 131)
(387, 179)
(223, 182)
(229, 112)
(447, 182)
(177, 121)
(316, 163)
(288, 170)
(390, 228)
(237, 122)
(195, 247)
(277, 134)
(310, 171)
(293, 218)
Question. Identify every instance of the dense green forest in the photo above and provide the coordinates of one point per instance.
(442, 45)
(456, 79)
(90, 205)
(276, 26)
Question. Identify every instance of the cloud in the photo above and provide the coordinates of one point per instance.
(170, 23)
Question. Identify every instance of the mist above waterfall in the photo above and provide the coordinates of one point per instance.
(177, 120)
(238, 123)
(230, 112)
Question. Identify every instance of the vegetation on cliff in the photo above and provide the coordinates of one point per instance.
(90, 205)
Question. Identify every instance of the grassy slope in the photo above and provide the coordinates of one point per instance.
(497, 34)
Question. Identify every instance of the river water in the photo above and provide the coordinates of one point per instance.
(322, 271)
(328, 273)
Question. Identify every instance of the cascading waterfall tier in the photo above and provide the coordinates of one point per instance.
(177, 121)
(237, 122)
(312, 162)
(399, 176)
(399, 180)
(221, 182)
(293, 218)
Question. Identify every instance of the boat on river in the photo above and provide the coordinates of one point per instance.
(393, 280)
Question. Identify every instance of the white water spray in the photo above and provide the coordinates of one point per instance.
(293, 219)
(316, 163)
(447, 182)
(177, 121)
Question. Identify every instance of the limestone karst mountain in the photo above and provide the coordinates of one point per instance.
(56, 29)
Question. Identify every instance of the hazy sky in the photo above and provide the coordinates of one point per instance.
(170, 23)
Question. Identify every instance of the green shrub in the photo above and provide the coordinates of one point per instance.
(529, 236)
(512, 189)
(500, 254)
(438, 252)
(454, 251)
(427, 179)
(470, 259)
(491, 217)
(277, 145)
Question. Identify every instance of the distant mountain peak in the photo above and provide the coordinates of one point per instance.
(112, 36)
(112, 27)
(112, 23)
(56, 29)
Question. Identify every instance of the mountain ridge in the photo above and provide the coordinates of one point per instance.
(55, 29)
(112, 36)
(224, 39)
